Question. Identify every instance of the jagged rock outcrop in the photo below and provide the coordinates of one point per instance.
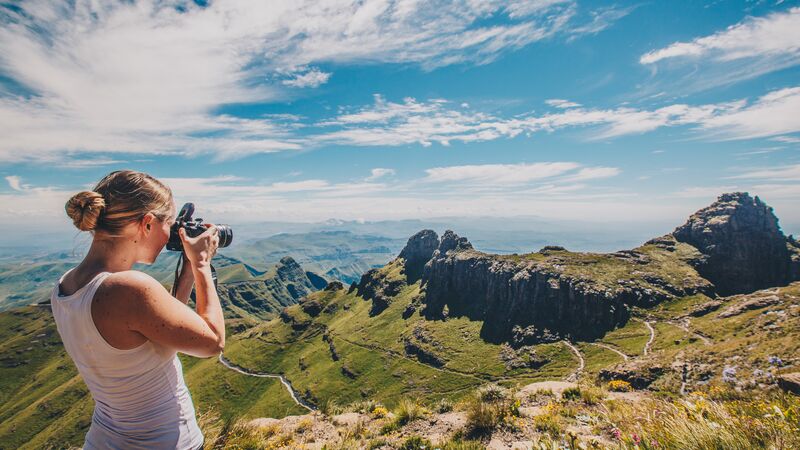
(417, 252)
(743, 247)
(335, 285)
(377, 286)
(264, 296)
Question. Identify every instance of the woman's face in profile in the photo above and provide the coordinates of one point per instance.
(158, 237)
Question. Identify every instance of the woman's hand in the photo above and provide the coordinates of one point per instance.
(200, 249)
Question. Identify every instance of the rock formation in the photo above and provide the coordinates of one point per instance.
(743, 247)
(263, 297)
(508, 295)
(417, 252)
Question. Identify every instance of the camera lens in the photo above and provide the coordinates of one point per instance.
(225, 234)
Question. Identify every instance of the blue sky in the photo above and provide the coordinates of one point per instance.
(302, 111)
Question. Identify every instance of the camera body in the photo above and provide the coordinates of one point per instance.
(193, 228)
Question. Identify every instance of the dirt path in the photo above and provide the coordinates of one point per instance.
(684, 325)
(581, 363)
(608, 347)
(652, 337)
(284, 381)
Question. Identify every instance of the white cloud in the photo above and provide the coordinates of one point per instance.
(15, 182)
(145, 77)
(746, 50)
(511, 175)
(781, 173)
(561, 103)
(498, 173)
(787, 139)
(709, 192)
(773, 114)
(777, 34)
(387, 123)
(379, 172)
(308, 78)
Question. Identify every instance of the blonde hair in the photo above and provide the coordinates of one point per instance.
(120, 198)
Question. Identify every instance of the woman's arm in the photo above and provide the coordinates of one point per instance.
(153, 312)
(185, 281)
(150, 310)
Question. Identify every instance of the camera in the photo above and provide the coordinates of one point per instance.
(194, 227)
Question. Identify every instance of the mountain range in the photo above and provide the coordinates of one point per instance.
(716, 298)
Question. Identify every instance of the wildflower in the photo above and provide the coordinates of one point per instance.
(775, 361)
(653, 443)
(616, 433)
(636, 439)
(619, 386)
(729, 374)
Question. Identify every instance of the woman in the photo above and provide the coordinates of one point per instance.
(122, 328)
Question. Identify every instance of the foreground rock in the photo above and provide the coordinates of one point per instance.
(790, 382)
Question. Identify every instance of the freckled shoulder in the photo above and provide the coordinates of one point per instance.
(131, 286)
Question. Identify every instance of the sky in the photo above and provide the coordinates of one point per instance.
(373, 110)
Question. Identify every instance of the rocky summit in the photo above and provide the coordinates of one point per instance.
(743, 247)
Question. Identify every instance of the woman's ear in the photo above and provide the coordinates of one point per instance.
(147, 222)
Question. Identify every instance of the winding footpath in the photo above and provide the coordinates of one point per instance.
(581, 363)
(608, 347)
(685, 326)
(284, 381)
(652, 337)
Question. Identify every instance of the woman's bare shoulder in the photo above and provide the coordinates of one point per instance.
(132, 285)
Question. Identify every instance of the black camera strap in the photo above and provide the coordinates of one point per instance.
(178, 268)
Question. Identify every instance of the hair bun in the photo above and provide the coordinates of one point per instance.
(84, 209)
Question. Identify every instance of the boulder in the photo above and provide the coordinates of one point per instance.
(790, 382)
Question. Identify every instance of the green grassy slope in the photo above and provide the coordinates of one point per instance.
(44, 402)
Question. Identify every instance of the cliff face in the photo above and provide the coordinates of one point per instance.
(265, 296)
(743, 247)
(533, 298)
(417, 252)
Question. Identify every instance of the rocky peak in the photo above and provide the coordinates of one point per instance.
(417, 252)
(451, 241)
(288, 263)
(742, 244)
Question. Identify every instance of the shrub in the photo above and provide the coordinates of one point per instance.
(380, 412)
(408, 411)
(304, 425)
(592, 395)
(415, 443)
(482, 417)
(443, 406)
(548, 423)
(458, 444)
(331, 408)
(541, 394)
(619, 386)
(571, 393)
(363, 406)
(492, 393)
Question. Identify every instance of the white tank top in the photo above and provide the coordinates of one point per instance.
(141, 399)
